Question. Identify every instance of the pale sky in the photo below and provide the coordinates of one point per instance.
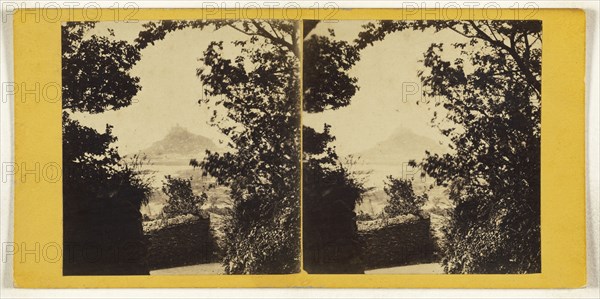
(384, 71)
(170, 87)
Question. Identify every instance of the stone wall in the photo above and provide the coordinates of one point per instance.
(398, 244)
(183, 244)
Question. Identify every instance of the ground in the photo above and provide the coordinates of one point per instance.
(412, 269)
(216, 268)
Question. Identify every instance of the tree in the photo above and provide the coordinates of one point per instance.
(326, 82)
(402, 198)
(95, 71)
(331, 190)
(492, 98)
(102, 193)
(260, 91)
(181, 198)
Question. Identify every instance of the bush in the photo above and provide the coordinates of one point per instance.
(181, 198)
(362, 216)
(402, 198)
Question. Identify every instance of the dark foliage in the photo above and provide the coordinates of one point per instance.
(362, 216)
(326, 83)
(402, 198)
(94, 71)
(181, 199)
(260, 91)
(330, 194)
(102, 194)
(492, 98)
(331, 190)
(185, 244)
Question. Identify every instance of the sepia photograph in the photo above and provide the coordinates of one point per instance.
(421, 147)
(181, 147)
(299, 148)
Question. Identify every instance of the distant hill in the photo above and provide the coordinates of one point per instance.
(171, 156)
(390, 156)
(181, 142)
(402, 146)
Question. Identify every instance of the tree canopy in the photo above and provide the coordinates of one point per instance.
(326, 82)
(95, 70)
(260, 91)
(331, 189)
(492, 98)
(102, 193)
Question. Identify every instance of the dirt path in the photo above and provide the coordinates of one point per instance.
(201, 269)
(216, 268)
(412, 269)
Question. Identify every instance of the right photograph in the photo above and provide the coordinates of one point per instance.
(421, 147)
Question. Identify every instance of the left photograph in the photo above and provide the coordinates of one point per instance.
(181, 147)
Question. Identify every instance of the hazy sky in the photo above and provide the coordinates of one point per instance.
(384, 71)
(170, 88)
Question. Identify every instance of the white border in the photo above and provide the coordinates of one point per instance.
(592, 290)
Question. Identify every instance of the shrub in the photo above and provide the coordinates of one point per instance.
(402, 198)
(181, 198)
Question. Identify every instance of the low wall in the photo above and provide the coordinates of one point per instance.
(398, 245)
(183, 244)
